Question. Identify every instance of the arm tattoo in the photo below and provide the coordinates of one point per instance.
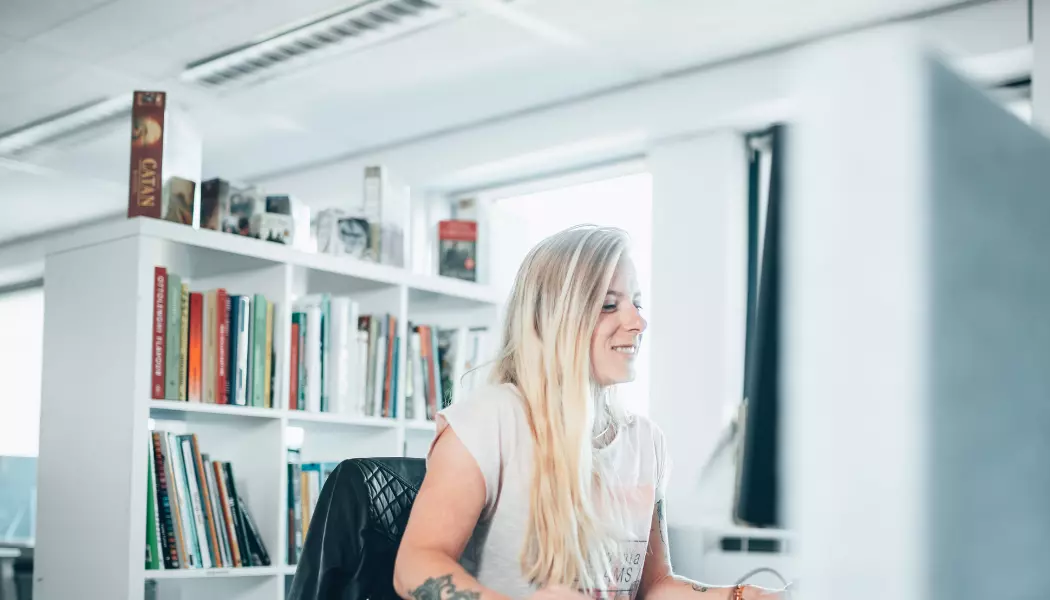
(700, 588)
(442, 588)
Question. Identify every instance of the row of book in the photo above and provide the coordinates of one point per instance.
(305, 481)
(439, 360)
(211, 346)
(195, 519)
(341, 361)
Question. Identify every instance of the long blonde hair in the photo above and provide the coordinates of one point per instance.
(545, 352)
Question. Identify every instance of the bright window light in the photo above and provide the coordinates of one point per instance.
(21, 364)
(519, 222)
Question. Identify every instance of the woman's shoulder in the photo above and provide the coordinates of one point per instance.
(487, 405)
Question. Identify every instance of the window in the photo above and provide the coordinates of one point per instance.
(21, 358)
(520, 220)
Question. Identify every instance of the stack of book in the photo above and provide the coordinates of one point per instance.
(438, 361)
(305, 481)
(341, 361)
(195, 518)
(211, 346)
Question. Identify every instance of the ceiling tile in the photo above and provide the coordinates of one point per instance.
(85, 85)
(6, 43)
(126, 24)
(23, 19)
(27, 65)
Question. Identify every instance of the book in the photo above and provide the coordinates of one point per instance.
(209, 356)
(194, 351)
(184, 340)
(457, 249)
(160, 292)
(293, 376)
(195, 518)
(153, 552)
(165, 161)
(268, 359)
(222, 341)
(173, 337)
(259, 350)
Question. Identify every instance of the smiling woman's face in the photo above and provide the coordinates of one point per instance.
(617, 337)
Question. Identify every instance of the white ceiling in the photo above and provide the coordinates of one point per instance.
(495, 58)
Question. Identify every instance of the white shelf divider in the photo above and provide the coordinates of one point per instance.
(96, 407)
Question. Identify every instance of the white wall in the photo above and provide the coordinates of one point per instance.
(698, 306)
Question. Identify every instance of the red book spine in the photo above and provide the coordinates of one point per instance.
(222, 348)
(160, 321)
(293, 381)
(147, 154)
(196, 342)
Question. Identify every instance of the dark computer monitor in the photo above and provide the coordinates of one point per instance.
(757, 499)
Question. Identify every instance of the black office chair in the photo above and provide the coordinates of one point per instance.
(355, 530)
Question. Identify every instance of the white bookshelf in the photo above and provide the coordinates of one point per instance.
(96, 408)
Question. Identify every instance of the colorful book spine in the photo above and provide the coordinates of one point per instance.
(184, 339)
(147, 155)
(268, 358)
(182, 501)
(197, 510)
(225, 504)
(259, 352)
(238, 521)
(209, 364)
(208, 516)
(160, 292)
(164, 494)
(153, 543)
(195, 347)
(293, 376)
(244, 350)
(173, 338)
(234, 349)
(222, 340)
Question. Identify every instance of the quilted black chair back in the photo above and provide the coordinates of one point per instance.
(355, 530)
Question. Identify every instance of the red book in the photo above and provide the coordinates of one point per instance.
(194, 373)
(293, 381)
(160, 321)
(147, 154)
(222, 346)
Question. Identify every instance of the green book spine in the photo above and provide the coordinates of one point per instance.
(173, 337)
(300, 317)
(258, 348)
(184, 340)
(152, 526)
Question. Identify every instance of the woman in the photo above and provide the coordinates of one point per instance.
(539, 484)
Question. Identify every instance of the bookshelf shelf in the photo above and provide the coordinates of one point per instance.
(421, 426)
(98, 377)
(214, 573)
(174, 410)
(302, 418)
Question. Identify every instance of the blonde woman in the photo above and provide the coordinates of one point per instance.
(539, 484)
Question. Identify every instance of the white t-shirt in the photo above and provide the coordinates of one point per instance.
(492, 424)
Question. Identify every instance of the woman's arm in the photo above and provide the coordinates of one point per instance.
(660, 583)
(443, 518)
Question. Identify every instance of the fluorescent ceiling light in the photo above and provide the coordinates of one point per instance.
(65, 123)
(364, 24)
